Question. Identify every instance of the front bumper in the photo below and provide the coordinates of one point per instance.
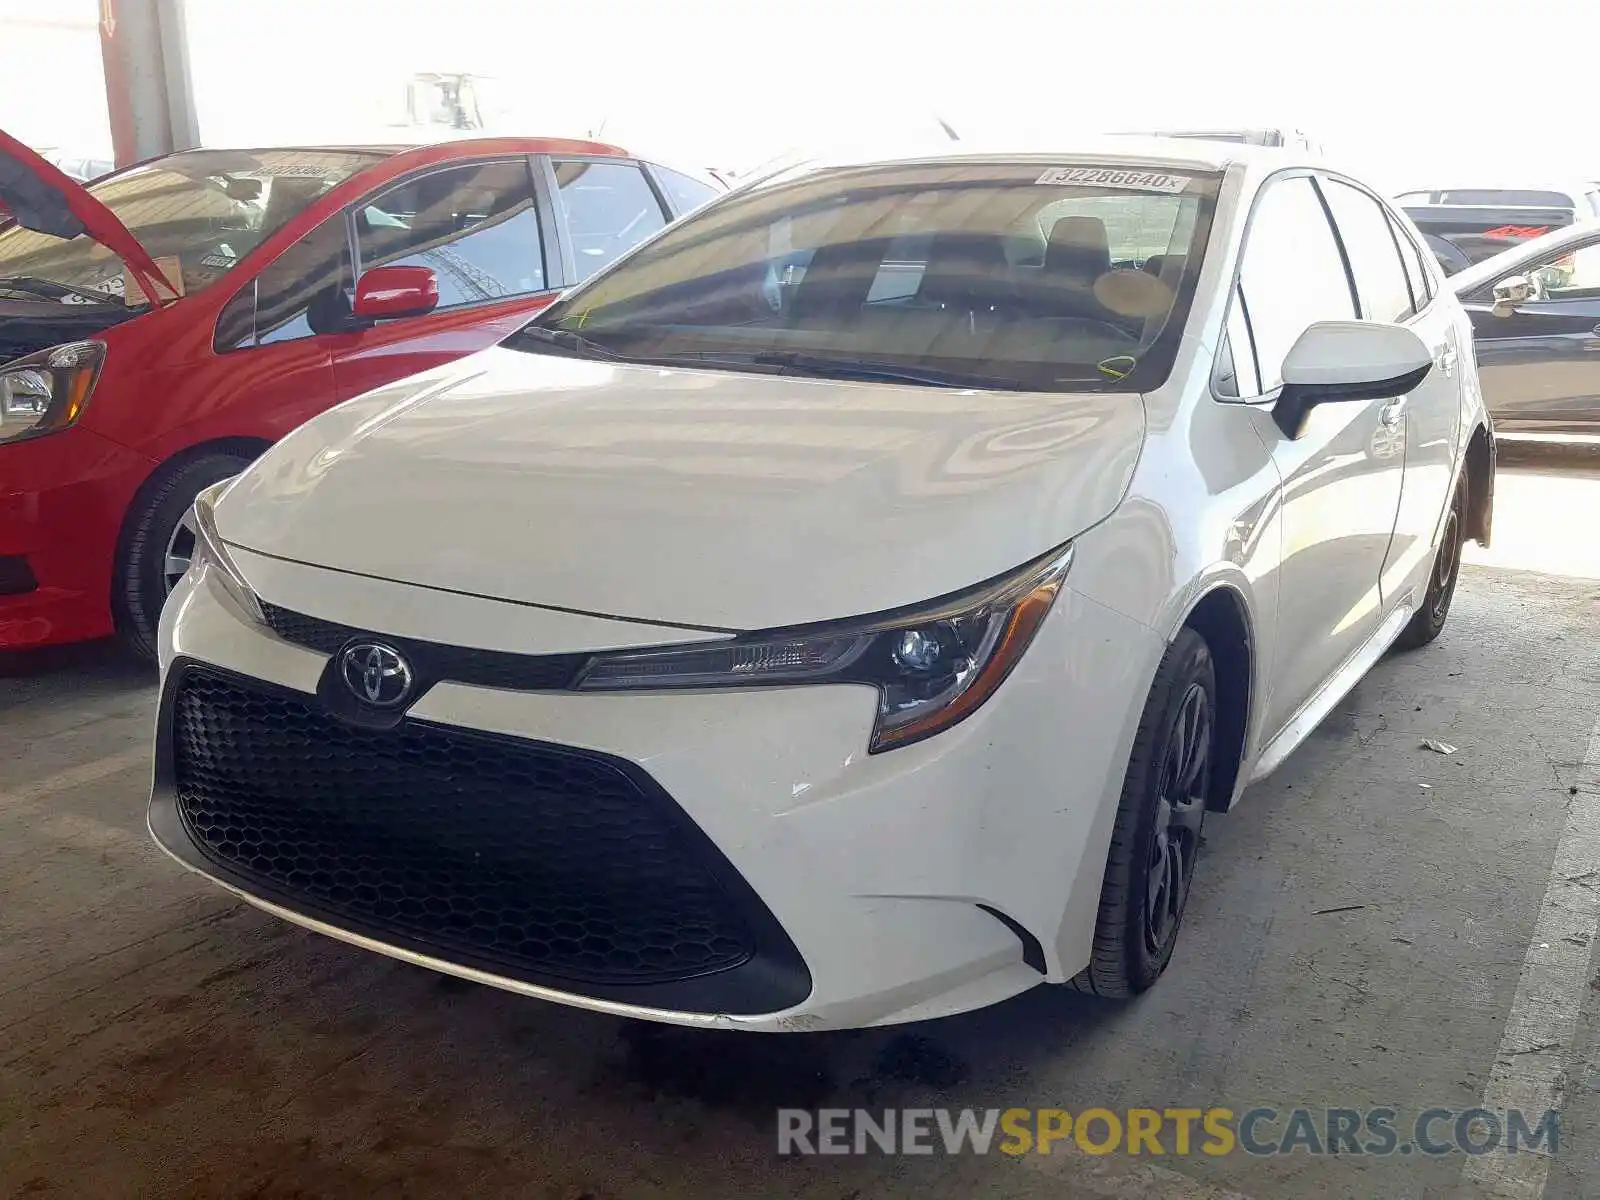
(871, 889)
(62, 500)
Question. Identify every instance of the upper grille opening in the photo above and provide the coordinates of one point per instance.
(434, 661)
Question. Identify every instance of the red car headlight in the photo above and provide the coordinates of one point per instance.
(44, 392)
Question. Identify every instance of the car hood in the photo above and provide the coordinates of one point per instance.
(40, 196)
(711, 499)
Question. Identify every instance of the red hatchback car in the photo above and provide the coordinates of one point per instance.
(162, 326)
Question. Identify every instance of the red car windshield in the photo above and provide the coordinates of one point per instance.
(197, 214)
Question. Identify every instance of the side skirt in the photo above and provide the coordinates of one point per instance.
(1315, 710)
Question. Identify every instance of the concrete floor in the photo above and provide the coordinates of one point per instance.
(161, 1040)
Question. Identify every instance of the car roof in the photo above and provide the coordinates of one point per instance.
(1132, 150)
(451, 148)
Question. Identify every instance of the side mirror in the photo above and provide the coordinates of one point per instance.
(1509, 293)
(385, 293)
(1335, 361)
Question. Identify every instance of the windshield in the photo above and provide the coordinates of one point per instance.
(197, 214)
(1010, 275)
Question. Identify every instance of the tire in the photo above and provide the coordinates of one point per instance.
(1428, 621)
(153, 536)
(1156, 839)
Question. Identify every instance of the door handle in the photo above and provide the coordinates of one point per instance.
(1446, 361)
(1391, 413)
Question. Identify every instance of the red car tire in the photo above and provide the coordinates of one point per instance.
(154, 521)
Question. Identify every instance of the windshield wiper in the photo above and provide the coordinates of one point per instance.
(51, 290)
(566, 341)
(824, 367)
(782, 361)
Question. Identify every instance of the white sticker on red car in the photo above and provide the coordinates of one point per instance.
(290, 171)
(1138, 181)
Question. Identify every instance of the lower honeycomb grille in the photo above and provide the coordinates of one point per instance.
(518, 858)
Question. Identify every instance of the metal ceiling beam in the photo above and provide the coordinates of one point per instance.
(149, 93)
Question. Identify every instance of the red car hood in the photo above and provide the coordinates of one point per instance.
(40, 197)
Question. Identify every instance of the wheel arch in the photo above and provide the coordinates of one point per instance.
(1221, 615)
(244, 447)
(1480, 470)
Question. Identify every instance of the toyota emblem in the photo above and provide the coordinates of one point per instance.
(377, 673)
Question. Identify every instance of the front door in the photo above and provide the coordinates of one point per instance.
(272, 338)
(1341, 477)
(478, 227)
(1539, 360)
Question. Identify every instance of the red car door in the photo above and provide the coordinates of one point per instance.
(273, 339)
(479, 228)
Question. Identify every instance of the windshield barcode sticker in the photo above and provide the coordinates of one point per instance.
(290, 171)
(1140, 181)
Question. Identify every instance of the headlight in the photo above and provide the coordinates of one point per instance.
(933, 665)
(48, 391)
(209, 551)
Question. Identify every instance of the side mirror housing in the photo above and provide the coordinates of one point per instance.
(387, 293)
(1509, 293)
(1334, 361)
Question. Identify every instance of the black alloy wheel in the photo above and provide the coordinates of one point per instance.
(1156, 840)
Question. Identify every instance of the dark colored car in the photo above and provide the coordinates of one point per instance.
(1463, 226)
(162, 326)
(1536, 325)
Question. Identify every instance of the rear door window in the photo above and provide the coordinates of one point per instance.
(1375, 262)
(1417, 274)
(610, 209)
(476, 226)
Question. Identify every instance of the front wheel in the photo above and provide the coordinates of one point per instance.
(1156, 840)
(159, 544)
(1428, 621)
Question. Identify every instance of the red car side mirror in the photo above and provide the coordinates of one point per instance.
(384, 293)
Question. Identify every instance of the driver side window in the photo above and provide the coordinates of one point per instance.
(1291, 275)
(475, 225)
(1574, 275)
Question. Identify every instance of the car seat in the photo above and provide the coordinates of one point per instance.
(1077, 253)
(966, 272)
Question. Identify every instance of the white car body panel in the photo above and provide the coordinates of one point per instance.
(622, 490)
(451, 617)
(781, 780)
(541, 504)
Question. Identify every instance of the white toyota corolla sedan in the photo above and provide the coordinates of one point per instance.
(846, 608)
